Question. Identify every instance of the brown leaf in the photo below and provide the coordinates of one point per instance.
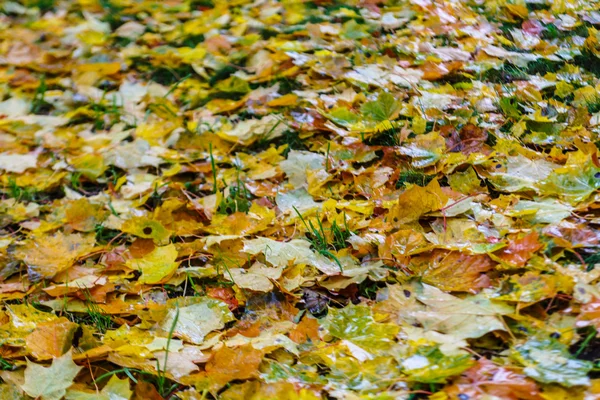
(146, 391)
(469, 140)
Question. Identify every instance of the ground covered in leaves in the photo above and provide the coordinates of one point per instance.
(359, 199)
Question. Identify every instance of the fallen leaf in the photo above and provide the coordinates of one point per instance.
(50, 383)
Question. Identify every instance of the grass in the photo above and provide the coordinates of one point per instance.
(588, 61)
(20, 193)
(169, 76)
(105, 116)
(221, 74)
(112, 13)
(237, 200)
(543, 66)
(339, 235)
(318, 238)
(507, 73)
(586, 341)
(42, 5)
(155, 199)
(387, 137)
(39, 105)
(264, 139)
(93, 316)
(161, 380)
(414, 177)
(74, 179)
(213, 168)
(105, 235)
(5, 365)
(591, 261)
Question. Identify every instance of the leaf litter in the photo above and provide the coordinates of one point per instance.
(299, 199)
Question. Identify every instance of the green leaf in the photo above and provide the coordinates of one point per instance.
(543, 211)
(195, 321)
(573, 183)
(342, 116)
(549, 361)
(157, 265)
(297, 251)
(426, 150)
(354, 30)
(510, 107)
(521, 173)
(233, 85)
(381, 109)
(429, 365)
(356, 324)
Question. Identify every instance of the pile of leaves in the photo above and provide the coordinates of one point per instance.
(355, 199)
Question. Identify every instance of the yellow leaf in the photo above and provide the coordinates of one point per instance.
(563, 89)
(419, 125)
(48, 255)
(147, 228)
(285, 100)
(156, 266)
(417, 201)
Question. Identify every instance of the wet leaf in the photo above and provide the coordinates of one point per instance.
(193, 322)
(549, 361)
(357, 325)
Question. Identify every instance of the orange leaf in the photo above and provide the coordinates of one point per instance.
(146, 391)
(487, 379)
(520, 250)
(589, 314)
(51, 339)
(231, 364)
(307, 329)
(452, 270)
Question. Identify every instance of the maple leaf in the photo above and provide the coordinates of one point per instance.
(471, 317)
(17, 162)
(115, 389)
(549, 361)
(229, 364)
(193, 322)
(50, 383)
(296, 251)
(417, 201)
(48, 255)
(356, 324)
